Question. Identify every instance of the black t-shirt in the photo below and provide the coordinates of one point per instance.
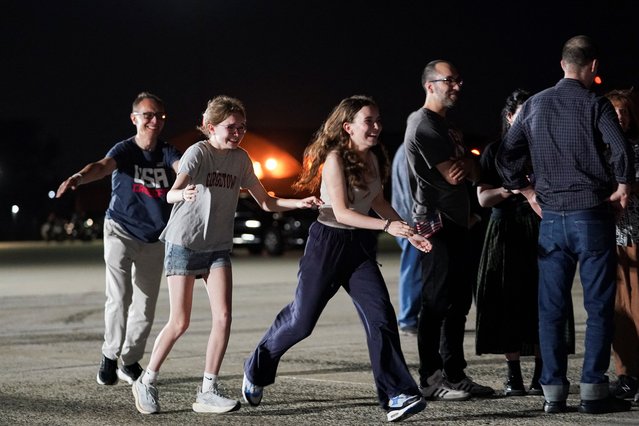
(490, 176)
(428, 142)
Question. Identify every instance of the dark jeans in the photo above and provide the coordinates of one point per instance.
(586, 237)
(448, 275)
(336, 258)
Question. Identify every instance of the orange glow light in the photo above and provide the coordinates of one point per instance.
(475, 151)
(270, 164)
(598, 80)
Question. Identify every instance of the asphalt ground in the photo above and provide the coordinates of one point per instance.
(51, 316)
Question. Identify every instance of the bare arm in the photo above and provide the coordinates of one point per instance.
(175, 166)
(276, 204)
(181, 190)
(397, 226)
(489, 196)
(89, 173)
(456, 170)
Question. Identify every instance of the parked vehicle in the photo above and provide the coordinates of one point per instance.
(274, 233)
(78, 228)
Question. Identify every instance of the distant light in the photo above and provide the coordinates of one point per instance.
(271, 164)
(15, 209)
(51, 194)
(252, 223)
(598, 80)
(88, 223)
(475, 151)
(257, 168)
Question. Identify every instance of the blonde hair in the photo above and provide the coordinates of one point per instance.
(218, 109)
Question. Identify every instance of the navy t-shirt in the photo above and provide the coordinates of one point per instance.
(138, 188)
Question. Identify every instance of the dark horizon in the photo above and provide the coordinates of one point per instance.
(73, 68)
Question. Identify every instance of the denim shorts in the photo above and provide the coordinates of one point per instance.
(180, 260)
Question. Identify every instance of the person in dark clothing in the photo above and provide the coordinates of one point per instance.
(507, 282)
(439, 168)
(564, 133)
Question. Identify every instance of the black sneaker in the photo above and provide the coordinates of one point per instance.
(624, 388)
(130, 373)
(107, 373)
(605, 405)
(473, 388)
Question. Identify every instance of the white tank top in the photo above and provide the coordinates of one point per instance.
(362, 200)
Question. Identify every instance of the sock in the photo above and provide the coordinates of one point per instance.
(209, 381)
(150, 377)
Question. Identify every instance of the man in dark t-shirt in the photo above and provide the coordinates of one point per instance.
(439, 169)
(142, 170)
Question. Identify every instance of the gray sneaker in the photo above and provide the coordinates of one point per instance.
(214, 402)
(146, 397)
(438, 389)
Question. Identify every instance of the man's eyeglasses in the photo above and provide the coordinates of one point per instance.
(150, 115)
(232, 128)
(450, 81)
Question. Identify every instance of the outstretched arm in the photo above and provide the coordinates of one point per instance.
(89, 173)
(276, 204)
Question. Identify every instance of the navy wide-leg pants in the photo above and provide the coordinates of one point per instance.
(335, 258)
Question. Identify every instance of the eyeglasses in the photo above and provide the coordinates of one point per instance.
(450, 81)
(150, 115)
(231, 128)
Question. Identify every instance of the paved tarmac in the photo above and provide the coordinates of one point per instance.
(51, 316)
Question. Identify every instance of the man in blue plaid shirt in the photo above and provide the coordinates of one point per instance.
(566, 153)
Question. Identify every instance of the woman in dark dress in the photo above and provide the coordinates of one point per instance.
(506, 299)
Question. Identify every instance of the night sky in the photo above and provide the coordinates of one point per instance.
(72, 68)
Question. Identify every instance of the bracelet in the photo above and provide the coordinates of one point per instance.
(77, 176)
(183, 199)
(386, 225)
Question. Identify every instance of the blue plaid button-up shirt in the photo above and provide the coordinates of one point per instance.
(575, 145)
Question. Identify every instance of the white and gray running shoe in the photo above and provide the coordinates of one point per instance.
(146, 397)
(214, 402)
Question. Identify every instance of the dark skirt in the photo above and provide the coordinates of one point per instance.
(507, 285)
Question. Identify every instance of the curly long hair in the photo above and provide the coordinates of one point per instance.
(331, 136)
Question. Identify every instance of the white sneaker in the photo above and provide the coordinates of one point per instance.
(146, 397)
(403, 406)
(214, 402)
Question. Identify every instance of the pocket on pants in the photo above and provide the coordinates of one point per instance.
(595, 235)
(546, 244)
